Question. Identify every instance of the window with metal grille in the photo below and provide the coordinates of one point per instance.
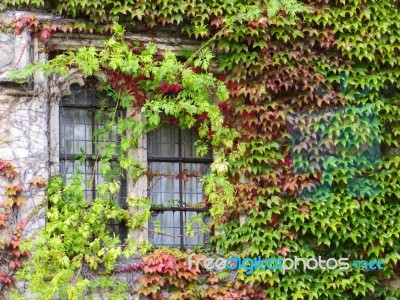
(80, 116)
(174, 186)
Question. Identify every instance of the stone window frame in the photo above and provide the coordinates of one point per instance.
(139, 188)
(61, 88)
(58, 87)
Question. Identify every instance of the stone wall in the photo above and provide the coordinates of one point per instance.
(24, 127)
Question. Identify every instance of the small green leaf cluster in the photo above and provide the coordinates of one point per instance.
(75, 254)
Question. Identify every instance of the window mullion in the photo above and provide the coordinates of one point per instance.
(181, 212)
(93, 162)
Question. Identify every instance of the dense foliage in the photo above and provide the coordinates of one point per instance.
(75, 253)
(167, 269)
(13, 222)
(75, 242)
(323, 56)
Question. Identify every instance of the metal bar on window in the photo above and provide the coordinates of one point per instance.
(81, 106)
(160, 209)
(92, 162)
(181, 231)
(78, 156)
(180, 159)
(91, 106)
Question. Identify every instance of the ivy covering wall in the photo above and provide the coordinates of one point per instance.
(292, 61)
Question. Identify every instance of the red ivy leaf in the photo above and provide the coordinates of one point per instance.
(12, 265)
(15, 243)
(38, 182)
(175, 88)
(304, 209)
(274, 219)
(291, 186)
(169, 89)
(9, 173)
(283, 251)
(216, 22)
(14, 190)
(212, 279)
(45, 34)
(4, 278)
(288, 161)
(4, 164)
(16, 253)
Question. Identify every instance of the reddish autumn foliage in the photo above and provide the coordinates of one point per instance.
(169, 89)
(167, 270)
(128, 83)
(11, 228)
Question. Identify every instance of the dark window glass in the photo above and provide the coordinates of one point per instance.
(174, 186)
(81, 114)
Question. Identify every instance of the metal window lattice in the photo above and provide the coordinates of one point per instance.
(80, 117)
(174, 186)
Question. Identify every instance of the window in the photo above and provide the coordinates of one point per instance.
(80, 116)
(174, 186)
